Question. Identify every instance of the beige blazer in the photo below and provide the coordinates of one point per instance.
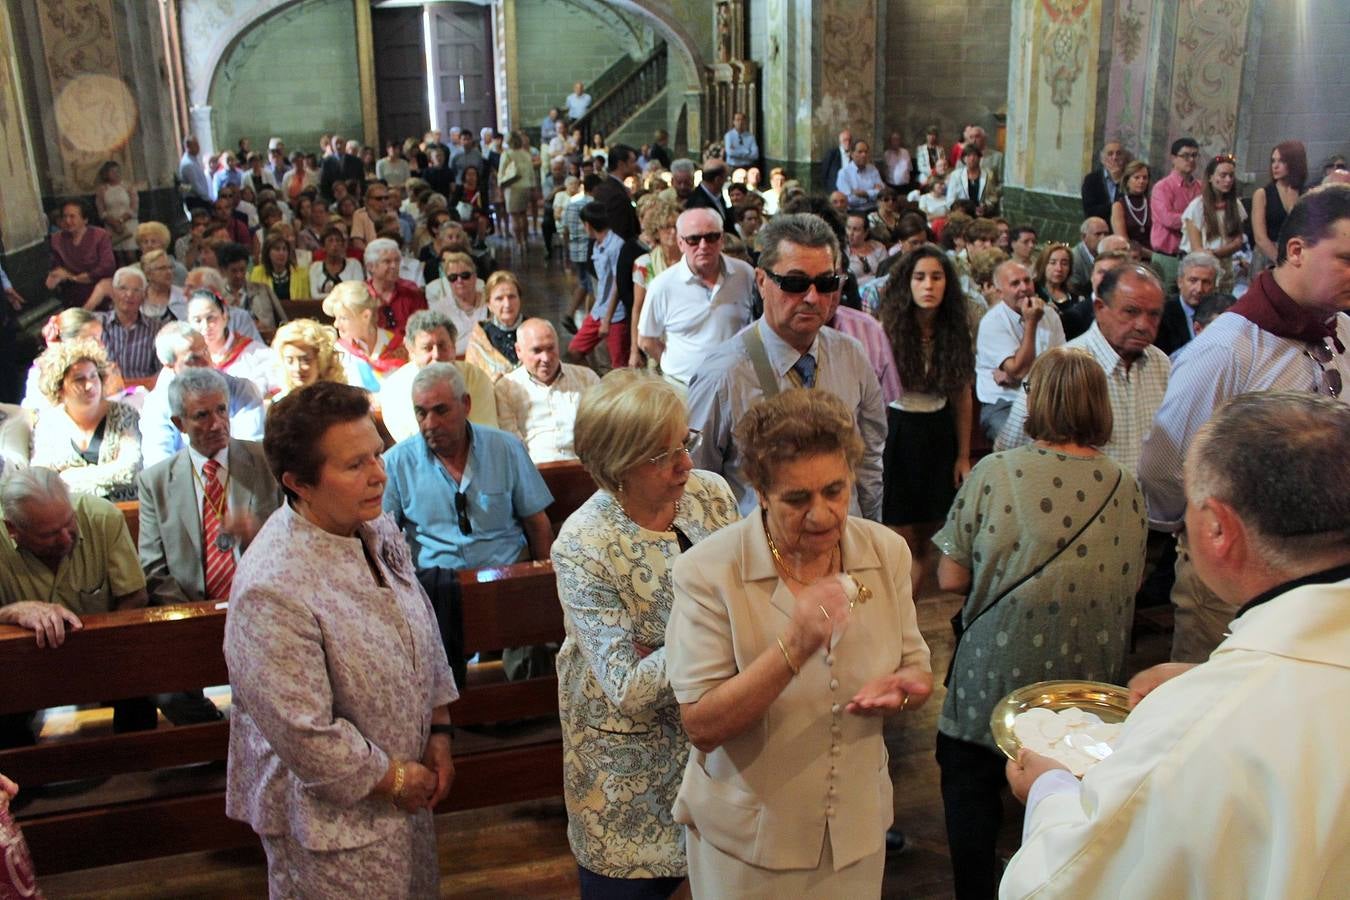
(767, 796)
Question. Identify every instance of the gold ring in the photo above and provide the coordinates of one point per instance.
(824, 613)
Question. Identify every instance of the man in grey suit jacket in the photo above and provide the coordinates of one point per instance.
(170, 492)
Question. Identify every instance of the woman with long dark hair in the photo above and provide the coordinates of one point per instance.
(923, 311)
(1213, 221)
(1271, 204)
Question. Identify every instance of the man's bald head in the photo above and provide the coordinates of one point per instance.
(537, 349)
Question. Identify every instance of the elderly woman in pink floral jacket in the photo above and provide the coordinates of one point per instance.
(339, 736)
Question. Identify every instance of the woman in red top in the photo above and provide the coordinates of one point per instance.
(398, 298)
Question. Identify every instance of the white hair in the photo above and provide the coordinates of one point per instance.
(441, 373)
(24, 487)
(126, 272)
(377, 248)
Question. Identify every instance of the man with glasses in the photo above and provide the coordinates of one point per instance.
(696, 304)
(466, 496)
(1289, 332)
(790, 346)
(364, 229)
(1168, 200)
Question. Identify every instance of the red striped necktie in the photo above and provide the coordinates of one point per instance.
(219, 553)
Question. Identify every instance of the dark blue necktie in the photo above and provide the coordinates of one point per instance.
(806, 370)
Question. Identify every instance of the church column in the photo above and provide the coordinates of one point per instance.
(820, 76)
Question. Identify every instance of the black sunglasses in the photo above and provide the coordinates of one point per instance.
(800, 284)
(694, 240)
(1332, 383)
(390, 321)
(462, 512)
(457, 276)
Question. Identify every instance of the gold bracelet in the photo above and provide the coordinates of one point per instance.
(398, 782)
(788, 659)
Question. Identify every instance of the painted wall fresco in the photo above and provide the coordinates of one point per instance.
(1132, 72)
(96, 113)
(848, 71)
(20, 207)
(1207, 71)
(1052, 93)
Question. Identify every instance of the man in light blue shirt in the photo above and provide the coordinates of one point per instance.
(192, 176)
(741, 150)
(790, 347)
(466, 496)
(859, 180)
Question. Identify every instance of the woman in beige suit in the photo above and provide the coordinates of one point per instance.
(793, 632)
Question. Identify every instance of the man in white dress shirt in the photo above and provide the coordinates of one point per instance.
(537, 401)
(1012, 334)
(859, 180)
(578, 102)
(697, 303)
(1128, 308)
(1229, 779)
(739, 145)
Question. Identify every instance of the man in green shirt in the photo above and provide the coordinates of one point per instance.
(61, 558)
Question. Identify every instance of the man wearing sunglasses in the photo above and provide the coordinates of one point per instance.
(696, 304)
(790, 346)
(1289, 332)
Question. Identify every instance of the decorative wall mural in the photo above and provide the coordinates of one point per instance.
(1207, 71)
(1065, 53)
(1132, 71)
(20, 206)
(848, 91)
(1052, 102)
(82, 66)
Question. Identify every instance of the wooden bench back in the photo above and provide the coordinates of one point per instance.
(136, 653)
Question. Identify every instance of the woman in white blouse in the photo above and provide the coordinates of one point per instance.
(1213, 221)
(623, 746)
(236, 354)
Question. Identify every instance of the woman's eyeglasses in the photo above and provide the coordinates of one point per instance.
(1332, 383)
(692, 440)
(800, 284)
(452, 277)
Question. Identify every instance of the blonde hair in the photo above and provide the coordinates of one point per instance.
(623, 421)
(1067, 401)
(501, 276)
(315, 336)
(351, 297)
(796, 423)
(159, 229)
(70, 322)
(58, 359)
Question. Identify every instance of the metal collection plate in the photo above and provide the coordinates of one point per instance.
(1110, 702)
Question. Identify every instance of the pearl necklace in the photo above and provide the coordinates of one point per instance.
(1140, 215)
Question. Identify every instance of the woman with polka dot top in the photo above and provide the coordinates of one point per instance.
(1046, 542)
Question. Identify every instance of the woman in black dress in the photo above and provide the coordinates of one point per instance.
(1131, 216)
(1271, 204)
(923, 311)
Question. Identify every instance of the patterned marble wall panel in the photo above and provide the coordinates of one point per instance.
(95, 111)
(1211, 39)
(1051, 121)
(1132, 72)
(20, 207)
(848, 70)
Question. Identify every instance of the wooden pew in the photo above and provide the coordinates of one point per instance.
(306, 309)
(137, 653)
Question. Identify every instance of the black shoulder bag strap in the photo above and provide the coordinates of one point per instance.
(959, 628)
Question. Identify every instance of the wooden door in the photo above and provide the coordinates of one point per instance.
(461, 66)
(400, 73)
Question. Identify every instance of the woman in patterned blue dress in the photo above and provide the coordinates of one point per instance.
(624, 749)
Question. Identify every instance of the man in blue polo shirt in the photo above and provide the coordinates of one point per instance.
(466, 495)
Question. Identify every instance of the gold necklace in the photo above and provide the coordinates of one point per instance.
(863, 593)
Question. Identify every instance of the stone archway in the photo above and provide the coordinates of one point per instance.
(209, 31)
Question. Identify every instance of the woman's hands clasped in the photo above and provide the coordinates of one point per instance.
(419, 788)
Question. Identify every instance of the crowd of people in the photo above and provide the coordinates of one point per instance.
(779, 395)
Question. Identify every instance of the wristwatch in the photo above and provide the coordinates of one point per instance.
(443, 728)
